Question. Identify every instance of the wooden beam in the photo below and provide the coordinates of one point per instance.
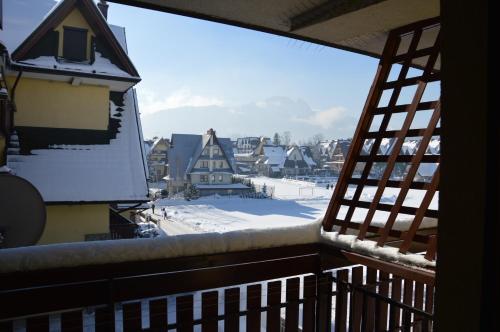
(420, 275)
(326, 11)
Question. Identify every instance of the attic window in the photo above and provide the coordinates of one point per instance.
(75, 44)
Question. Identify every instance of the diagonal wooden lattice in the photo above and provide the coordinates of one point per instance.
(379, 160)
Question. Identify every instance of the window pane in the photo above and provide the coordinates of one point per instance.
(75, 44)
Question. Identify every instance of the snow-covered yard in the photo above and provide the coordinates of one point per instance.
(294, 202)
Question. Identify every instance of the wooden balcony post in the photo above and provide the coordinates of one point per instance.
(324, 305)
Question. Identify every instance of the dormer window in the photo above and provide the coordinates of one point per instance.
(75, 44)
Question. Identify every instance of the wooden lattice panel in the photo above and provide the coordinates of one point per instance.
(394, 156)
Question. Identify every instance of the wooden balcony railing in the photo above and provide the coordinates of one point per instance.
(310, 287)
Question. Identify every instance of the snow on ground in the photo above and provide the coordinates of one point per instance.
(294, 202)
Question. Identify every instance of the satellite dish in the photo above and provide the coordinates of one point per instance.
(22, 212)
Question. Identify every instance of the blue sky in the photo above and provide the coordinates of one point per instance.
(198, 75)
(212, 70)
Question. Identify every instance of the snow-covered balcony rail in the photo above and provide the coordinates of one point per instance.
(236, 280)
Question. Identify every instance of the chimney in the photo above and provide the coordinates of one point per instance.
(103, 7)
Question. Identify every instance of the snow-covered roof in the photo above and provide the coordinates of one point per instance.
(434, 146)
(306, 153)
(409, 147)
(36, 26)
(91, 173)
(274, 155)
(101, 66)
(386, 145)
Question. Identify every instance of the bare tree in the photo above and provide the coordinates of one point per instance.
(286, 138)
(317, 138)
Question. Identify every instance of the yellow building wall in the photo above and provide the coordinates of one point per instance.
(42, 103)
(70, 223)
(75, 19)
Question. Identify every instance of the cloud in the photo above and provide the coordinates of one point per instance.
(324, 119)
(150, 103)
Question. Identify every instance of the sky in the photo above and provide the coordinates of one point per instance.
(198, 75)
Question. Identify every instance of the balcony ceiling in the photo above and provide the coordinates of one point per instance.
(360, 26)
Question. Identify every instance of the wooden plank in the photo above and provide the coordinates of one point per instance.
(341, 302)
(431, 248)
(72, 321)
(390, 183)
(394, 133)
(429, 306)
(356, 300)
(404, 158)
(232, 309)
(407, 299)
(387, 207)
(273, 319)
(383, 289)
(412, 81)
(37, 324)
(418, 304)
(132, 319)
(422, 106)
(105, 319)
(292, 305)
(184, 313)
(371, 280)
(419, 238)
(324, 305)
(158, 314)
(395, 312)
(424, 276)
(254, 298)
(90, 273)
(309, 306)
(209, 311)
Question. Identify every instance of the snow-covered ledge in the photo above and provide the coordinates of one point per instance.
(118, 251)
(370, 248)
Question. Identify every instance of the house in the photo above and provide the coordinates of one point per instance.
(157, 159)
(336, 154)
(247, 144)
(298, 161)
(245, 162)
(202, 161)
(271, 160)
(76, 133)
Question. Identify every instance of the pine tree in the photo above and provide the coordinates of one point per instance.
(276, 139)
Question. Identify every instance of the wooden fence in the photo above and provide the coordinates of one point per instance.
(273, 293)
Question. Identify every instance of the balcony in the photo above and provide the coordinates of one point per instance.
(312, 286)
(299, 287)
